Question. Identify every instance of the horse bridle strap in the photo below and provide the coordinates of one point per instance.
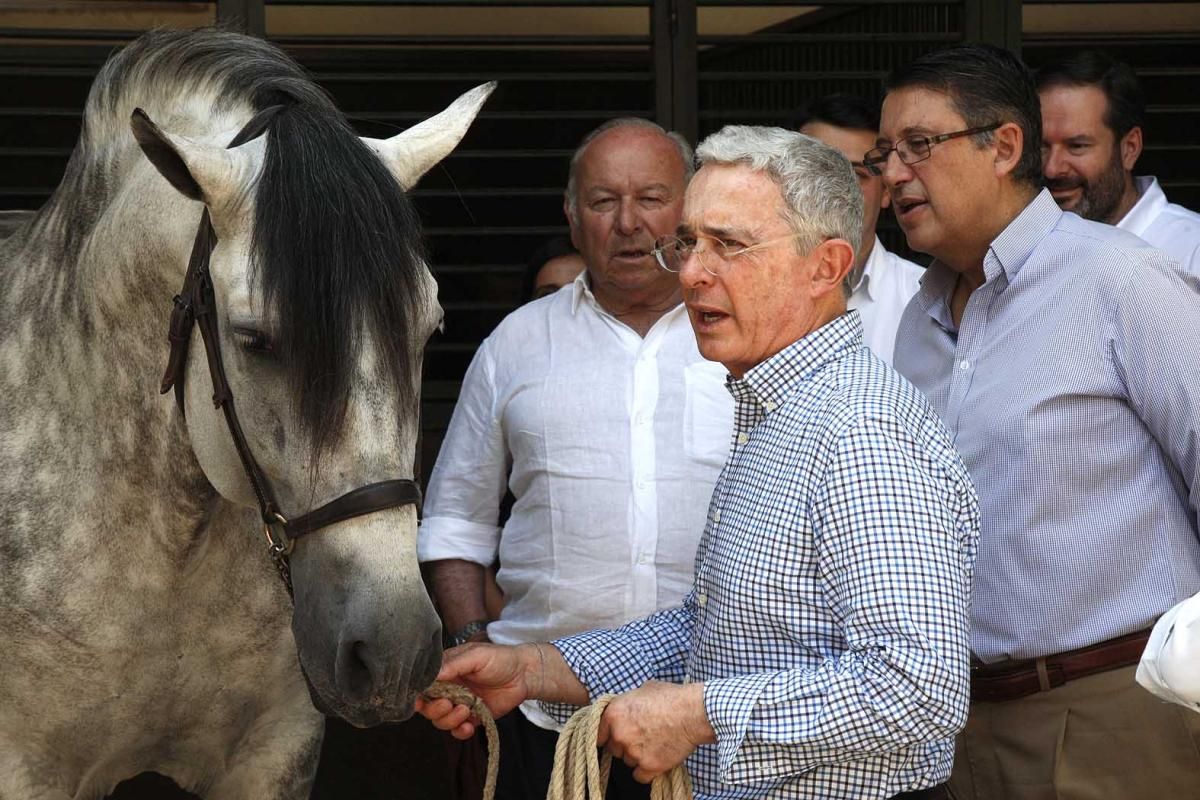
(195, 305)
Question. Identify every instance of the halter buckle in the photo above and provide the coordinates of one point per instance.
(278, 542)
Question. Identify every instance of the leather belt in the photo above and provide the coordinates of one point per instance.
(1010, 680)
(938, 792)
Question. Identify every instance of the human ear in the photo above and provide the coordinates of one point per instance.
(1131, 148)
(833, 259)
(1009, 141)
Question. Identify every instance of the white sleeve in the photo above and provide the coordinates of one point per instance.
(1170, 666)
(462, 505)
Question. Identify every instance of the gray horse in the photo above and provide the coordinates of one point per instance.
(143, 624)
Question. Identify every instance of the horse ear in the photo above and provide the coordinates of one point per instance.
(198, 171)
(411, 154)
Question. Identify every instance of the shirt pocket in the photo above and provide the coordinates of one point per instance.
(707, 414)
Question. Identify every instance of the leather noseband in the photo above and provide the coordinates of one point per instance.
(196, 305)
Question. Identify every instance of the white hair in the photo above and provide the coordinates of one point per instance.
(820, 192)
(681, 144)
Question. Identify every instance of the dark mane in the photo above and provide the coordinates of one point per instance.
(336, 241)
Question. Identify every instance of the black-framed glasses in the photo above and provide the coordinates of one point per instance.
(672, 251)
(915, 149)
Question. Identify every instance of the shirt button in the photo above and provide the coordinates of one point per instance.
(702, 599)
(742, 438)
(717, 516)
(964, 364)
(769, 405)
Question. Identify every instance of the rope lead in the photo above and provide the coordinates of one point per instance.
(579, 774)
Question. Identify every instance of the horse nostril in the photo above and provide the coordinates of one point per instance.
(356, 670)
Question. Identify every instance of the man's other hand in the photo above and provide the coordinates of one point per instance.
(655, 727)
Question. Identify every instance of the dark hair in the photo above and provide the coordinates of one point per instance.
(985, 85)
(1126, 103)
(546, 251)
(841, 111)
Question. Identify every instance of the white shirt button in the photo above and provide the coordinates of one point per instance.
(964, 364)
(769, 405)
(702, 599)
(716, 516)
(742, 438)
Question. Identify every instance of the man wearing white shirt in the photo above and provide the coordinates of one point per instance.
(595, 407)
(1092, 116)
(881, 283)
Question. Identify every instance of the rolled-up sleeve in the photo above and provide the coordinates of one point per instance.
(462, 506)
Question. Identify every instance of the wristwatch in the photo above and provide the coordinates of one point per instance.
(463, 634)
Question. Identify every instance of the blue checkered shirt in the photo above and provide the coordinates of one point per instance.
(828, 620)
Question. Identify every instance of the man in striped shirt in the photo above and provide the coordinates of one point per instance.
(822, 651)
(1061, 356)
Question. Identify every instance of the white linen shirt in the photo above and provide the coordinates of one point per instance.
(1168, 226)
(888, 282)
(614, 443)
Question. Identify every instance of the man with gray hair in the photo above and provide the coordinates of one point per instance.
(822, 651)
(595, 408)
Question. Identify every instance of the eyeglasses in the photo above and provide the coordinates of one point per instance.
(915, 149)
(671, 252)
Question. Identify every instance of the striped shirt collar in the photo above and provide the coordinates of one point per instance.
(772, 382)
(1004, 258)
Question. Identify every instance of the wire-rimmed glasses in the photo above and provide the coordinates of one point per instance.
(671, 252)
(915, 149)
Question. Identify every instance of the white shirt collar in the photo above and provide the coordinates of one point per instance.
(581, 289)
(1150, 204)
(874, 262)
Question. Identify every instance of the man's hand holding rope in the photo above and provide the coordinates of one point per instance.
(655, 727)
(652, 729)
(502, 677)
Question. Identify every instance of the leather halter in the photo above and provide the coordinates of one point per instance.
(196, 305)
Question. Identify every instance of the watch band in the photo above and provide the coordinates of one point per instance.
(465, 632)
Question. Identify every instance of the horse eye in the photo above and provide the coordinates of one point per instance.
(252, 340)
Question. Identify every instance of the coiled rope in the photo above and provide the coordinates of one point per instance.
(579, 772)
(580, 775)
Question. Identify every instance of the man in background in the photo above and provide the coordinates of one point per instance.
(1092, 116)
(554, 264)
(1057, 352)
(881, 283)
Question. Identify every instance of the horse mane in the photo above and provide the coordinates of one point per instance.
(336, 242)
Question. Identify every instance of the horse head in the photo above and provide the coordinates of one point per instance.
(323, 304)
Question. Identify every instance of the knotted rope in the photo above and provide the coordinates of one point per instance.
(579, 774)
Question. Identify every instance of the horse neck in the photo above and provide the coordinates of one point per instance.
(86, 305)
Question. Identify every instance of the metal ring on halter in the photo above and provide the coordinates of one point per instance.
(281, 546)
